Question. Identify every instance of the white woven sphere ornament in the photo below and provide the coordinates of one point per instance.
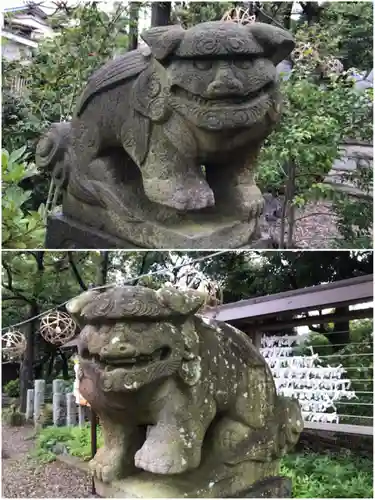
(239, 15)
(13, 344)
(57, 328)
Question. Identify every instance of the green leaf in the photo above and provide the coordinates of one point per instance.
(15, 156)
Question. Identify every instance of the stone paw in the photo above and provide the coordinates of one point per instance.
(248, 201)
(162, 458)
(106, 465)
(188, 195)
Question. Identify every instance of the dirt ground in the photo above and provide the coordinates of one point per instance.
(25, 477)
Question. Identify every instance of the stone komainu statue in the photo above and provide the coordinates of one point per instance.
(178, 394)
(147, 122)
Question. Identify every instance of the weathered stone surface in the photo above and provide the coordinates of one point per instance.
(188, 400)
(162, 148)
(271, 487)
(29, 404)
(58, 402)
(39, 390)
(71, 409)
(65, 232)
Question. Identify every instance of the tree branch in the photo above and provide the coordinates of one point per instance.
(9, 286)
(263, 15)
(76, 272)
(23, 299)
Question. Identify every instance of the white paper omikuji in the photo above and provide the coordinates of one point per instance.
(317, 388)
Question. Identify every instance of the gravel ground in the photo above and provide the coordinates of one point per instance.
(24, 477)
(315, 227)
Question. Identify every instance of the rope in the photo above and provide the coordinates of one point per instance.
(127, 282)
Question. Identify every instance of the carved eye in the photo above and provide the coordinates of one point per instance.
(203, 64)
(243, 63)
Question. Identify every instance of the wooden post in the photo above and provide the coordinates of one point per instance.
(26, 369)
(94, 444)
(257, 339)
(160, 13)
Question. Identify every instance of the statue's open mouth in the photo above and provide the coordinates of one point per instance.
(225, 100)
(131, 363)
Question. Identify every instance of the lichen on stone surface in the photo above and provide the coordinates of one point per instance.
(202, 384)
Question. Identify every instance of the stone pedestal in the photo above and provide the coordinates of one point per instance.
(191, 485)
(66, 232)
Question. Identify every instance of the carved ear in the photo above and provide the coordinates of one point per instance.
(151, 92)
(76, 305)
(181, 301)
(277, 43)
(163, 40)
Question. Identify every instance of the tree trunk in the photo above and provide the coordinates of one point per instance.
(161, 13)
(101, 277)
(291, 207)
(311, 12)
(287, 15)
(133, 25)
(65, 366)
(26, 370)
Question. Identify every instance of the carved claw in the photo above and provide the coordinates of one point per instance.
(249, 201)
(107, 464)
(162, 458)
(190, 196)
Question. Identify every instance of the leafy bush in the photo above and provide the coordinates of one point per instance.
(339, 475)
(12, 388)
(86, 38)
(13, 417)
(77, 440)
(355, 215)
(321, 110)
(20, 228)
(46, 416)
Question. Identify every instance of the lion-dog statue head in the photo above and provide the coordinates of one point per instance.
(134, 336)
(219, 75)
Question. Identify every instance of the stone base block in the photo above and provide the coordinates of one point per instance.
(236, 482)
(66, 232)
